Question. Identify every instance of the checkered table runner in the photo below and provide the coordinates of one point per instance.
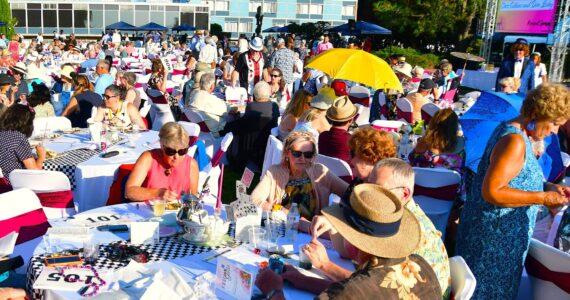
(167, 248)
(69, 161)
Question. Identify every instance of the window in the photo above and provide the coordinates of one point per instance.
(209, 3)
(80, 16)
(50, 17)
(245, 27)
(316, 9)
(270, 7)
(253, 6)
(19, 13)
(348, 10)
(231, 26)
(65, 15)
(303, 9)
(222, 5)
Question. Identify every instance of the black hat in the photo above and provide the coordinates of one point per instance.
(426, 84)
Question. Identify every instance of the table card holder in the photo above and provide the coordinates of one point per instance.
(245, 213)
(144, 233)
(236, 272)
(95, 131)
(51, 279)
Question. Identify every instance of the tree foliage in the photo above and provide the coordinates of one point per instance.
(216, 29)
(6, 16)
(426, 23)
(309, 30)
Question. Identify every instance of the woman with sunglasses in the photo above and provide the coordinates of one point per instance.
(117, 111)
(279, 93)
(298, 179)
(166, 172)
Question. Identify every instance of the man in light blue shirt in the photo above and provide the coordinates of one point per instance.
(105, 79)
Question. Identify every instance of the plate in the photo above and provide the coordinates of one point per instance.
(183, 238)
(165, 231)
(71, 130)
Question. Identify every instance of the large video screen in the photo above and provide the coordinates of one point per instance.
(526, 16)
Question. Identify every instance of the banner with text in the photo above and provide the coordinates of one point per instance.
(526, 16)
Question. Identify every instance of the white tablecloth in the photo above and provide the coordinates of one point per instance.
(94, 177)
(193, 264)
(481, 80)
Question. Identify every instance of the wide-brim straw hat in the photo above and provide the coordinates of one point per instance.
(66, 71)
(405, 69)
(387, 229)
(21, 68)
(342, 110)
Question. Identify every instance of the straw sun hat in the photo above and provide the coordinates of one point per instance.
(342, 110)
(375, 221)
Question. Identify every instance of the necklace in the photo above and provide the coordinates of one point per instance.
(89, 285)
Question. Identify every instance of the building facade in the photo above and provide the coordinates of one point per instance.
(235, 16)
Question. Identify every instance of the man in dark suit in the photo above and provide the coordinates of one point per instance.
(518, 66)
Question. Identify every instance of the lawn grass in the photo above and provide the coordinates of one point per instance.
(229, 186)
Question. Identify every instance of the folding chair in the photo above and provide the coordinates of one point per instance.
(337, 166)
(52, 188)
(548, 270)
(434, 191)
(160, 111)
(428, 111)
(27, 218)
(41, 125)
(463, 282)
(404, 110)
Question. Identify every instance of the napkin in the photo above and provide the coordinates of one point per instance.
(7, 243)
(168, 286)
(134, 279)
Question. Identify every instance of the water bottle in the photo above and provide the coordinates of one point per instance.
(293, 218)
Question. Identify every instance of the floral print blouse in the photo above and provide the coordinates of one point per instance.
(409, 277)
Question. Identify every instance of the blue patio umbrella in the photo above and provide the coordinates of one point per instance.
(479, 122)
(121, 26)
(184, 27)
(153, 26)
(277, 29)
(360, 27)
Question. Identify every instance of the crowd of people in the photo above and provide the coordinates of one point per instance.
(398, 250)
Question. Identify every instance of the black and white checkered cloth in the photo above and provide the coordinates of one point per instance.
(69, 161)
(166, 249)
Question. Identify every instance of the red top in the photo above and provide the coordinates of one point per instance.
(178, 179)
(334, 143)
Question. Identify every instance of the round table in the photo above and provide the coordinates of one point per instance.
(169, 252)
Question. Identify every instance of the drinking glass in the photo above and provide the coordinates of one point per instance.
(304, 261)
(90, 251)
(158, 207)
(272, 226)
(257, 237)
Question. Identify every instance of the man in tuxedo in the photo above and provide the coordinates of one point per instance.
(518, 66)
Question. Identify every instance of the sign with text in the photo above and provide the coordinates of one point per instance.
(72, 280)
(526, 16)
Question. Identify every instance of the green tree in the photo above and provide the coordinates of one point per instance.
(216, 29)
(6, 16)
(424, 24)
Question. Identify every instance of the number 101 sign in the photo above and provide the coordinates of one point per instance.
(98, 219)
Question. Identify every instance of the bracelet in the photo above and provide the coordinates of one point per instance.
(272, 293)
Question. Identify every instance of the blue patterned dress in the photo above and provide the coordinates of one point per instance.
(494, 240)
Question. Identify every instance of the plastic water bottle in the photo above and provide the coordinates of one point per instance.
(293, 218)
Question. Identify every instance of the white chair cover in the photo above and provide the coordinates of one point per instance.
(463, 281)
(28, 205)
(554, 227)
(191, 128)
(212, 143)
(404, 110)
(50, 124)
(237, 95)
(41, 181)
(160, 112)
(436, 209)
(429, 110)
(273, 152)
(337, 166)
(555, 261)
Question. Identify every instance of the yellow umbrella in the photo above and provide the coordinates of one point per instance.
(358, 66)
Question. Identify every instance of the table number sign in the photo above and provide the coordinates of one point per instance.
(98, 219)
(72, 280)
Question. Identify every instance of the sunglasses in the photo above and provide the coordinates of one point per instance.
(307, 154)
(107, 97)
(170, 152)
(275, 76)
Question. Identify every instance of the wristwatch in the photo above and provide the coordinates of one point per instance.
(272, 293)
